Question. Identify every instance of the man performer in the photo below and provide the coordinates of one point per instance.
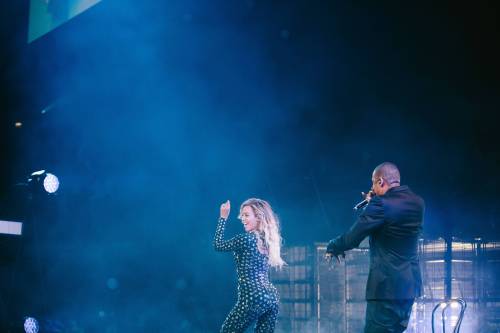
(393, 220)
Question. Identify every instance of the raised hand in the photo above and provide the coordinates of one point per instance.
(225, 208)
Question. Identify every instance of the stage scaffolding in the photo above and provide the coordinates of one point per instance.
(320, 297)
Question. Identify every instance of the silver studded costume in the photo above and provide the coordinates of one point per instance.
(258, 299)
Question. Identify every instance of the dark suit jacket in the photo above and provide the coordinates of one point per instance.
(394, 223)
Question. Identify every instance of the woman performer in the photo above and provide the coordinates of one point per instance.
(254, 252)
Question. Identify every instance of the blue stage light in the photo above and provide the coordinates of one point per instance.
(42, 179)
(31, 325)
(51, 183)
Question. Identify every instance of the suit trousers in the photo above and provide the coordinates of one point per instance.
(387, 316)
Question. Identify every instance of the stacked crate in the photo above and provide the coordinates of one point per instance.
(463, 279)
(295, 284)
(490, 287)
(340, 291)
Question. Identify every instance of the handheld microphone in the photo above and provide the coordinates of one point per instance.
(364, 203)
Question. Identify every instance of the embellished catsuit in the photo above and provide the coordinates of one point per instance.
(258, 299)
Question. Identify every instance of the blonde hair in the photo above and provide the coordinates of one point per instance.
(268, 230)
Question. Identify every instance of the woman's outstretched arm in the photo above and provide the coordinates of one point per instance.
(233, 244)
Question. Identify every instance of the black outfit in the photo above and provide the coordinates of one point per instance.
(258, 299)
(393, 222)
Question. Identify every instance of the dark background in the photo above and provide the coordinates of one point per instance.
(153, 113)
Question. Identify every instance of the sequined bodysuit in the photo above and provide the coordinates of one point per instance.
(258, 299)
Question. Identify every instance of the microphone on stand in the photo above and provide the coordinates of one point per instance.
(364, 203)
